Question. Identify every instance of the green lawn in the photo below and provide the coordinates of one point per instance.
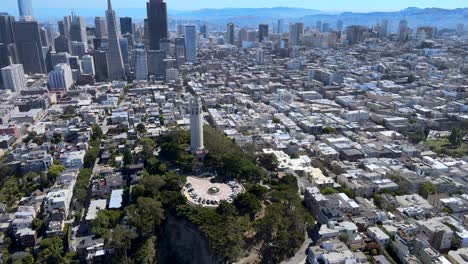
(442, 146)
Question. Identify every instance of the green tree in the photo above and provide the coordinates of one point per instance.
(456, 137)
(97, 132)
(105, 220)
(146, 253)
(226, 209)
(258, 190)
(54, 172)
(148, 146)
(120, 239)
(426, 189)
(145, 215)
(140, 128)
(268, 161)
(329, 130)
(128, 157)
(50, 250)
(69, 110)
(328, 190)
(56, 138)
(247, 204)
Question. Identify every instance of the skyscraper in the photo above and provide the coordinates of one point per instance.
(13, 77)
(263, 32)
(383, 32)
(355, 34)
(78, 30)
(126, 25)
(87, 64)
(190, 43)
(100, 65)
(155, 63)
(203, 30)
(114, 54)
(6, 28)
(25, 10)
(157, 22)
(61, 77)
(403, 31)
(295, 32)
(100, 27)
(196, 125)
(62, 44)
(460, 29)
(339, 25)
(280, 26)
(318, 25)
(28, 42)
(180, 50)
(230, 33)
(141, 65)
(78, 49)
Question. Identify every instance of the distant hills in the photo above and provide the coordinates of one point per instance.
(441, 18)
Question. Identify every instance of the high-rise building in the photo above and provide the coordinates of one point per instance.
(124, 49)
(180, 50)
(62, 44)
(423, 33)
(295, 32)
(60, 57)
(100, 65)
(87, 64)
(61, 77)
(157, 22)
(171, 75)
(190, 37)
(403, 31)
(339, 25)
(318, 25)
(114, 54)
(126, 25)
(61, 27)
(460, 29)
(383, 32)
(355, 34)
(78, 30)
(141, 65)
(262, 32)
(260, 57)
(280, 26)
(165, 45)
(196, 125)
(6, 28)
(13, 77)
(100, 27)
(325, 27)
(25, 10)
(230, 33)
(8, 55)
(28, 42)
(203, 30)
(78, 49)
(155, 63)
(67, 21)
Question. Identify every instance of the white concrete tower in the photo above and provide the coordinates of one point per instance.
(196, 125)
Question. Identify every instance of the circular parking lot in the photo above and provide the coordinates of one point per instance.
(207, 192)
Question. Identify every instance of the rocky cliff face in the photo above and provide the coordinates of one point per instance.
(180, 242)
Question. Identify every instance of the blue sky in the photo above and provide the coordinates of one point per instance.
(324, 5)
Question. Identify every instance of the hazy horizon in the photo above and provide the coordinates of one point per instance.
(187, 5)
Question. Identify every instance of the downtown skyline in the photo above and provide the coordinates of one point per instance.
(186, 5)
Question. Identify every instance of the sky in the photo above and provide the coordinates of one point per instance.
(323, 5)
